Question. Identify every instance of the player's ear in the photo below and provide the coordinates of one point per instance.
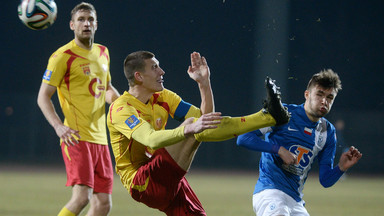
(71, 25)
(306, 94)
(138, 76)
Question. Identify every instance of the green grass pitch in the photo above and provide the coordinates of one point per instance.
(32, 191)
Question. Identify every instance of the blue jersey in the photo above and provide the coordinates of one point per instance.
(306, 139)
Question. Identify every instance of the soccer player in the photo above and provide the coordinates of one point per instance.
(79, 71)
(288, 151)
(151, 160)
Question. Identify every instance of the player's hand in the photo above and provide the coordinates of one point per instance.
(349, 158)
(199, 70)
(67, 135)
(287, 156)
(206, 121)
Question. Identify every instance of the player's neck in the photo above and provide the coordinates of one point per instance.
(309, 114)
(140, 94)
(85, 44)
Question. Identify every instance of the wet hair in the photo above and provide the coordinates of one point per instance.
(326, 79)
(135, 62)
(83, 6)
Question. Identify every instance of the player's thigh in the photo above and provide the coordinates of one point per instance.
(270, 202)
(103, 171)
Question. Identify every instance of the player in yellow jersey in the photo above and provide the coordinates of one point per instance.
(151, 160)
(79, 71)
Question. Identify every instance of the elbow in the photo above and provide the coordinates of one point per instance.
(39, 100)
(325, 183)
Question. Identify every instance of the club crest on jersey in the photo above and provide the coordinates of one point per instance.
(132, 121)
(159, 123)
(304, 158)
(47, 75)
(86, 68)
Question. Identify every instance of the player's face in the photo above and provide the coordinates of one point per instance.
(152, 77)
(319, 101)
(84, 24)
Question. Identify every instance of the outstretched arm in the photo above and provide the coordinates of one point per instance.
(44, 101)
(146, 135)
(199, 72)
(329, 175)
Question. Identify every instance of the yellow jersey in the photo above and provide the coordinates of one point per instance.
(127, 113)
(81, 77)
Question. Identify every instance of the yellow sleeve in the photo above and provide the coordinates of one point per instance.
(56, 69)
(128, 122)
(146, 135)
(193, 112)
(180, 110)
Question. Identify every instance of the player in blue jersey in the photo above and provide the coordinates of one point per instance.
(289, 150)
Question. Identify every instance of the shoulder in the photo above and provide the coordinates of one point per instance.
(330, 126)
(62, 52)
(166, 94)
(121, 108)
(101, 47)
(293, 108)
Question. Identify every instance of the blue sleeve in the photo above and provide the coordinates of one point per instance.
(328, 176)
(252, 141)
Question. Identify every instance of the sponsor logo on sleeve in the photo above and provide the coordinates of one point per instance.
(132, 121)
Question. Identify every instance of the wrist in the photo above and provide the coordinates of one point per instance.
(204, 84)
(341, 169)
(275, 148)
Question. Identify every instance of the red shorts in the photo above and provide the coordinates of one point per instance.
(161, 184)
(88, 164)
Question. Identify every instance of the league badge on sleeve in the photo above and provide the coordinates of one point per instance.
(132, 121)
(47, 75)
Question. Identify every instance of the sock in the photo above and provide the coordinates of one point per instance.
(231, 127)
(65, 212)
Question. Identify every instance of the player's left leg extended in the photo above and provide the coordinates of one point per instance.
(231, 127)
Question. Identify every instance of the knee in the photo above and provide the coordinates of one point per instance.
(102, 205)
(80, 201)
(106, 206)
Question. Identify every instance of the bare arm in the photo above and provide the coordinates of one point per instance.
(199, 71)
(45, 103)
(111, 94)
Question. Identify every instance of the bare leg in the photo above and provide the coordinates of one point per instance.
(184, 152)
(101, 204)
(81, 195)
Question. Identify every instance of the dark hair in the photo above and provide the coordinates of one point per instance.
(83, 6)
(135, 62)
(327, 79)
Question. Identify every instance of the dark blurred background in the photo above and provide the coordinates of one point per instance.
(243, 41)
